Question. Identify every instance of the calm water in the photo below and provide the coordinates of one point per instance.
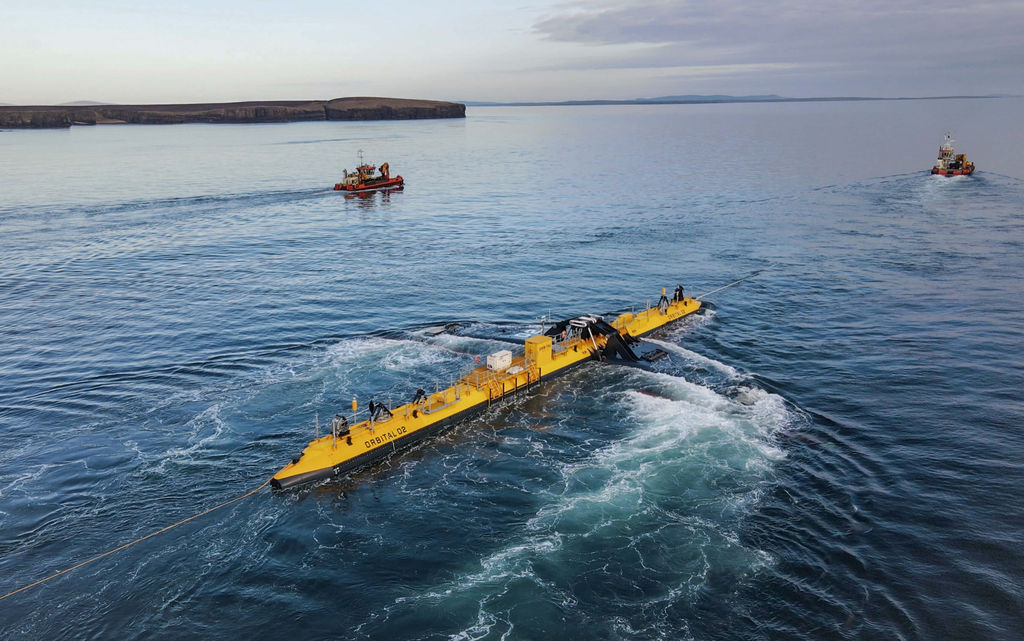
(833, 451)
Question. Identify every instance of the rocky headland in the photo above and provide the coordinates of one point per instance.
(40, 117)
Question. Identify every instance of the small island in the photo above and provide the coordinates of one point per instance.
(359, 108)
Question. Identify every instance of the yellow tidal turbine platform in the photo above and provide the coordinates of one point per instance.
(566, 344)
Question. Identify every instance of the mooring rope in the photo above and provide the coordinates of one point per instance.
(735, 282)
(138, 540)
(237, 498)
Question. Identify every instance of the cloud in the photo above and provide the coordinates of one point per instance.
(865, 36)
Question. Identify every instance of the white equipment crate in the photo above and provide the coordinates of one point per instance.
(499, 361)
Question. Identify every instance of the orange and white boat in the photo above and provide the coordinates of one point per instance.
(364, 178)
(951, 163)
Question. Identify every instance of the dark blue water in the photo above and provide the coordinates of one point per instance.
(832, 451)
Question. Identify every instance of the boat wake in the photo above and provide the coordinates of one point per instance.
(695, 358)
(651, 515)
(203, 202)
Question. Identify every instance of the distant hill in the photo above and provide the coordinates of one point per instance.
(702, 99)
(686, 99)
(713, 98)
(356, 108)
(82, 103)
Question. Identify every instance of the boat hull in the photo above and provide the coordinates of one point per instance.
(371, 185)
(408, 440)
(952, 172)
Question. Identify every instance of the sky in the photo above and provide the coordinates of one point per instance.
(120, 51)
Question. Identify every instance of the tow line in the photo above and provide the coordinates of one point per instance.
(237, 498)
(138, 540)
(735, 282)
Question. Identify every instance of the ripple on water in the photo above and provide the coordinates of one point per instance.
(829, 452)
(622, 536)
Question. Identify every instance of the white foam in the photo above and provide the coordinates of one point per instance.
(27, 476)
(471, 344)
(694, 321)
(694, 357)
(481, 628)
(407, 357)
(356, 348)
(687, 407)
(199, 437)
(390, 354)
(675, 435)
(679, 433)
(510, 562)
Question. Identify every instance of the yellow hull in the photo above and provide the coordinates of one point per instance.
(543, 357)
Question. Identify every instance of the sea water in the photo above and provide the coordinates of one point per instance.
(832, 449)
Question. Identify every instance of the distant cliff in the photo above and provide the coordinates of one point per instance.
(14, 117)
(391, 109)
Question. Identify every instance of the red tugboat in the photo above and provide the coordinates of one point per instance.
(950, 164)
(362, 179)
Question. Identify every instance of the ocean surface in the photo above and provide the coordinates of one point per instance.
(832, 450)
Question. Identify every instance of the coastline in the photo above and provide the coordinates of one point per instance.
(353, 108)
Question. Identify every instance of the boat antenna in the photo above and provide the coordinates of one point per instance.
(361, 157)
